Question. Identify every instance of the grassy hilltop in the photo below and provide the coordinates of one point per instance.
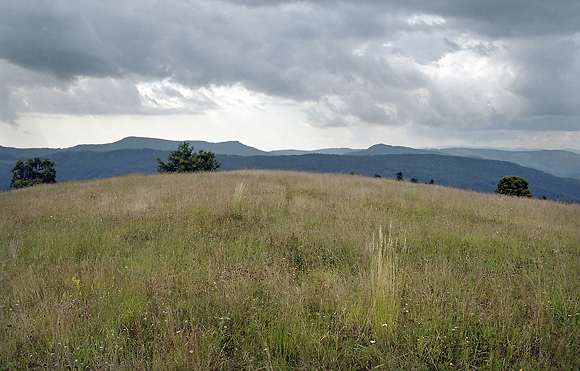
(268, 270)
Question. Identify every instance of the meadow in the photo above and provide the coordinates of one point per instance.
(272, 270)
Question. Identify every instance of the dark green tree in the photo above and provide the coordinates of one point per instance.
(33, 171)
(414, 180)
(183, 160)
(399, 176)
(513, 186)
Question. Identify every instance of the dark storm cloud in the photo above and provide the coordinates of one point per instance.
(56, 39)
(435, 63)
(501, 18)
(491, 17)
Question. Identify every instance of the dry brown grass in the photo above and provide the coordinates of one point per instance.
(284, 270)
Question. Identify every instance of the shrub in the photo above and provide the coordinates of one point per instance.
(184, 160)
(513, 186)
(33, 171)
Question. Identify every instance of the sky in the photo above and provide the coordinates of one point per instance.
(276, 74)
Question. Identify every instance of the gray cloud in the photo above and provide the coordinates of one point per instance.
(443, 64)
(57, 39)
(549, 78)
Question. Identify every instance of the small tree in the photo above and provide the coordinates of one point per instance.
(414, 180)
(399, 176)
(33, 171)
(185, 160)
(513, 186)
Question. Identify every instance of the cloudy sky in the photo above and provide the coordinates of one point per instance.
(278, 74)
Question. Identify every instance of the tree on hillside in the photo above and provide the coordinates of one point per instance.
(513, 186)
(399, 176)
(33, 171)
(183, 160)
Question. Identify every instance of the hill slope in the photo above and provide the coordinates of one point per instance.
(559, 163)
(466, 173)
(285, 270)
(564, 164)
(138, 155)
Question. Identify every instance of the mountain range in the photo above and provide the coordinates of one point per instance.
(554, 174)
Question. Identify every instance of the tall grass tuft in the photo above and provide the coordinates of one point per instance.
(386, 281)
(240, 194)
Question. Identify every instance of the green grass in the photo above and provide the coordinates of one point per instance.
(266, 270)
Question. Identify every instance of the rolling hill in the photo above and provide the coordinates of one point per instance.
(461, 168)
(281, 270)
(559, 163)
(460, 172)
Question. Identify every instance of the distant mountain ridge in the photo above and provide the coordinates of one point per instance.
(384, 149)
(561, 163)
(134, 155)
(224, 148)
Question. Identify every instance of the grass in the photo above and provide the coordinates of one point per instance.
(385, 288)
(266, 270)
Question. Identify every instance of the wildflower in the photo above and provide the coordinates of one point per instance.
(373, 341)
